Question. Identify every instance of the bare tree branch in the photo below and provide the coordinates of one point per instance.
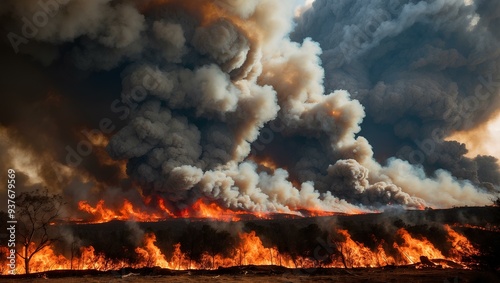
(37, 211)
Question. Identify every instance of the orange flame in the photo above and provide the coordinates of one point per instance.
(461, 245)
(201, 209)
(127, 212)
(150, 254)
(413, 248)
(251, 251)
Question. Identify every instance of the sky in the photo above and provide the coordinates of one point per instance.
(487, 144)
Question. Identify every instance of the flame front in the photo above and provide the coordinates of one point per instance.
(201, 209)
(342, 250)
(102, 214)
(250, 250)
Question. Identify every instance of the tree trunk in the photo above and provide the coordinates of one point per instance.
(26, 260)
(342, 256)
(71, 259)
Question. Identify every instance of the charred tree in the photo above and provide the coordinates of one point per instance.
(37, 210)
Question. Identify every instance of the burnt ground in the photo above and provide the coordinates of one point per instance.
(274, 274)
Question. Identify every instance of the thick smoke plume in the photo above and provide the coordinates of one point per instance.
(422, 69)
(194, 86)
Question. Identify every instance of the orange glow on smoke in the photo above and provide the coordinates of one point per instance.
(99, 142)
(268, 164)
(335, 114)
(265, 163)
(482, 140)
(208, 12)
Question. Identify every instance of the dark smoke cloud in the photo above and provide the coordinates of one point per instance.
(188, 90)
(424, 68)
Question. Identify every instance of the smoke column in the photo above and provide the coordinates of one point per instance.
(196, 85)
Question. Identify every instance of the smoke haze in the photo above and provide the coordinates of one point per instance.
(345, 107)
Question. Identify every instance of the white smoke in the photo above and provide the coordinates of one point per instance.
(221, 79)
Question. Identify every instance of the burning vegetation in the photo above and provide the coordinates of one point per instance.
(248, 249)
(206, 236)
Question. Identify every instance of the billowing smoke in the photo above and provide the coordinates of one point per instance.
(204, 83)
(422, 69)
